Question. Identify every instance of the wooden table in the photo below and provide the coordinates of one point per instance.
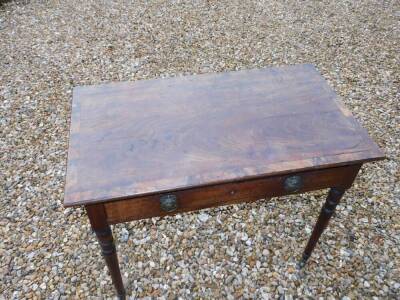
(165, 146)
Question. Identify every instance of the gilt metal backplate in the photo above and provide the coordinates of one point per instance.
(293, 183)
(168, 203)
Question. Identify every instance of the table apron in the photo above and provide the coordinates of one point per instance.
(228, 193)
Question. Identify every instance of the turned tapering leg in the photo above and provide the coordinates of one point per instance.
(103, 232)
(334, 196)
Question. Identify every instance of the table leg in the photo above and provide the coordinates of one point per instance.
(334, 196)
(101, 228)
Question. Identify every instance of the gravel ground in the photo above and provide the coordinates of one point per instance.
(241, 251)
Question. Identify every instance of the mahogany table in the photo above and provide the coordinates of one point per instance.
(165, 146)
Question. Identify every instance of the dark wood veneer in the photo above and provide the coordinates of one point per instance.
(225, 194)
(165, 146)
(129, 139)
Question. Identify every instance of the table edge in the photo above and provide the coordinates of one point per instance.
(222, 182)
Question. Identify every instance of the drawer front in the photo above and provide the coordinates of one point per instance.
(223, 194)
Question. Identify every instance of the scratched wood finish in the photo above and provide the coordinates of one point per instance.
(138, 138)
(230, 193)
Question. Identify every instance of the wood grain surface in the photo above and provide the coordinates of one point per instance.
(228, 193)
(132, 139)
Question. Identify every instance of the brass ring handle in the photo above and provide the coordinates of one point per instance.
(168, 203)
(293, 183)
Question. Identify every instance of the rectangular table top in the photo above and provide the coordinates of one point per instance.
(134, 138)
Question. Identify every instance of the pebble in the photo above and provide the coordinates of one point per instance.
(265, 252)
(124, 235)
(203, 217)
